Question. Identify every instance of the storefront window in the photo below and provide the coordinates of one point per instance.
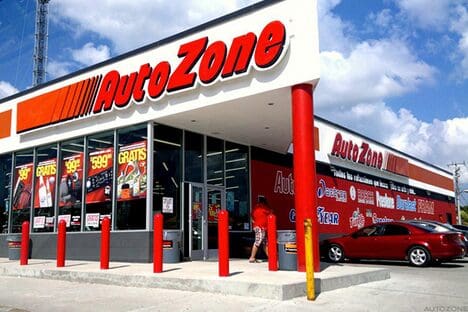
(70, 196)
(214, 161)
(99, 180)
(193, 157)
(5, 187)
(22, 191)
(167, 174)
(45, 177)
(237, 186)
(131, 178)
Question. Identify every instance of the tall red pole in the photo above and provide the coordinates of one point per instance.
(304, 170)
(61, 243)
(105, 243)
(272, 245)
(24, 252)
(158, 221)
(223, 243)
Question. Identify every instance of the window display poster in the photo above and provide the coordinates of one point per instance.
(131, 180)
(71, 180)
(168, 205)
(213, 210)
(39, 222)
(45, 183)
(92, 220)
(23, 187)
(99, 181)
(66, 217)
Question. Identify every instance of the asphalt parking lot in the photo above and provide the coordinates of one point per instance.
(439, 288)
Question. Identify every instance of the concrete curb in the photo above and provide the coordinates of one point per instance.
(283, 285)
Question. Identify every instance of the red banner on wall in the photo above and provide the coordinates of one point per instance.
(346, 200)
(23, 186)
(99, 181)
(44, 187)
(131, 180)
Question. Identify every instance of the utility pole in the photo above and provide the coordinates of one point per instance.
(456, 175)
(40, 45)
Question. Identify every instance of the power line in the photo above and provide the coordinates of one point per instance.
(456, 175)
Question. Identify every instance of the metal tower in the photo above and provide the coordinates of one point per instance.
(40, 46)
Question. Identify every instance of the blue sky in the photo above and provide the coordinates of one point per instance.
(394, 70)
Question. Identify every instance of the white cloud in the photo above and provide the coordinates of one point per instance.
(427, 13)
(373, 71)
(443, 15)
(57, 69)
(129, 24)
(332, 29)
(358, 78)
(460, 25)
(6, 89)
(89, 54)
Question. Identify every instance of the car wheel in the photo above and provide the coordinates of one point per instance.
(419, 256)
(335, 253)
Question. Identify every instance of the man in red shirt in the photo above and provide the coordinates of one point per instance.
(260, 215)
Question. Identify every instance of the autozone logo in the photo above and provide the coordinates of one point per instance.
(363, 154)
(201, 62)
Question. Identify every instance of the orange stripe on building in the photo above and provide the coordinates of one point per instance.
(75, 98)
(80, 102)
(84, 102)
(55, 106)
(5, 124)
(429, 177)
(36, 112)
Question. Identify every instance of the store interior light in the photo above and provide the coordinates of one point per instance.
(76, 144)
(167, 142)
(165, 166)
(235, 160)
(213, 154)
(235, 169)
(101, 141)
(232, 150)
(213, 179)
(69, 150)
(174, 181)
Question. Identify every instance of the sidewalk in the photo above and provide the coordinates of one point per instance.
(246, 279)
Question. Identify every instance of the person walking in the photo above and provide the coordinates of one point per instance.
(260, 215)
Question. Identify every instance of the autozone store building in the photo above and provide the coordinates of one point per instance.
(192, 124)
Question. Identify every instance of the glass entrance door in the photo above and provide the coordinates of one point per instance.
(197, 221)
(203, 204)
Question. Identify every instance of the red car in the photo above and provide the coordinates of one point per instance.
(395, 241)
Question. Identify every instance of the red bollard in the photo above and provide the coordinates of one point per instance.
(24, 252)
(272, 246)
(61, 243)
(158, 221)
(105, 243)
(223, 243)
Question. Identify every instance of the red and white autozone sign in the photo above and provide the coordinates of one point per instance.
(200, 62)
(357, 151)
